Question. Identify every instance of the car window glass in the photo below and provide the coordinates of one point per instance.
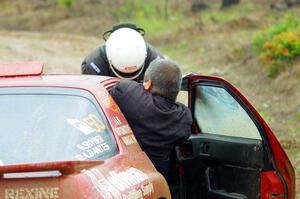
(217, 112)
(43, 127)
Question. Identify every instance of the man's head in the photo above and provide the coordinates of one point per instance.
(163, 77)
(126, 52)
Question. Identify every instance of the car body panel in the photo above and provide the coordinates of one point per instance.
(129, 174)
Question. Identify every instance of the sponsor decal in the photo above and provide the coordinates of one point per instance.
(117, 121)
(123, 130)
(130, 68)
(87, 125)
(81, 126)
(126, 179)
(129, 184)
(32, 193)
(110, 104)
(95, 67)
(91, 148)
(90, 143)
(94, 122)
(129, 139)
(148, 189)
(107, 190)
(125, 133)
(134, 194)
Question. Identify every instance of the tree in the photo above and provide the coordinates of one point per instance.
(226, 3)
(198, 5)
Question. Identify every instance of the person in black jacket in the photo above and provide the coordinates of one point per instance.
(125, 54)
(157, 120)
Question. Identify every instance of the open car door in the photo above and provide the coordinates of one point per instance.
(232, 153)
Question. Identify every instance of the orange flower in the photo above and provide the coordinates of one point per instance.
(266, 59)
(268, 45)
(285, 52)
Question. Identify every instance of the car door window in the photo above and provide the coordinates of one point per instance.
(217, 112)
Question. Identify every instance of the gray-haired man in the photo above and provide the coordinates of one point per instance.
(157, 120)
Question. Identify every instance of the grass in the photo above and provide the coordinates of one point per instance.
(154, 17)
(4, 7)
(265, 116)
(176, 49)
(66, 3)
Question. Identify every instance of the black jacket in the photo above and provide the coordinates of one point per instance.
(157, 123)
(96, 62)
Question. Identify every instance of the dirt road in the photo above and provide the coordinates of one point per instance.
(61, 53)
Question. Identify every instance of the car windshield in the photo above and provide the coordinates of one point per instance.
(52, 124)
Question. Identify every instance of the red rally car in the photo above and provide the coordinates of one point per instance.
(63, 136)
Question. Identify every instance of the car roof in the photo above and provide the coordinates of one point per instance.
(30, 74)
(86, 82)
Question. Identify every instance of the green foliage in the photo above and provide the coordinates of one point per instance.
(298, 170)
(285, 45)
(265, 116)
(153, 16)
(280, 42)
(67, 3)
(273, 69)
(289, 23)
(292, 128)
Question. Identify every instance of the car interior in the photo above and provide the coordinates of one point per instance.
(225, 155)
(225, 169)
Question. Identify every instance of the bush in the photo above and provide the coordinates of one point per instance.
(67, 3)
(279, 43)
(285, 45)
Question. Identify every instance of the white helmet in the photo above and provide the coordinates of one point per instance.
(126, 52)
